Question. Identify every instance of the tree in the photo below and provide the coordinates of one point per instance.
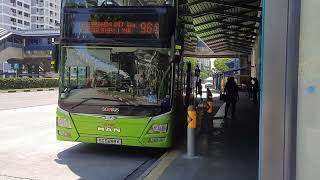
(192, 60)
(219, 64)
(204, 74)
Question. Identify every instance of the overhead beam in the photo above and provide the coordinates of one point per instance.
(224, 46)
(231, 36)
(212, 55)
(230, 42)
(231, 45)
(225, 3)
(227, 14)
(226, 23)
(238, 48)
(190, 37)
(231, 49)
(225, 30)
(217, 39)
(219, 49)
(224, 37)
(215, 42)
(189, 44)
(189, 49)
(224, 27)
(212, 34)
(236, 35)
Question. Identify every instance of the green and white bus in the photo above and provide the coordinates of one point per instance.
(119, 81)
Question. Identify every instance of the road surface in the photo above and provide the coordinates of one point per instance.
(27, 99)
(204, 92)
(29, 149)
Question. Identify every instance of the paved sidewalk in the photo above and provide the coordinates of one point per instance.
(232, 155)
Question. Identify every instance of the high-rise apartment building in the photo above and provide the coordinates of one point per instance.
(29, 14)
(15, 14)
(45, 14)
(204, 63)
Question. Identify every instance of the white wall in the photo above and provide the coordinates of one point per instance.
(308, 137)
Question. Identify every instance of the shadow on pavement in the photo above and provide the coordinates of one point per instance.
(231, 155)
(97, 161)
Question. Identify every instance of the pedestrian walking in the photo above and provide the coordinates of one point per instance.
(255, 90)
(232, 96)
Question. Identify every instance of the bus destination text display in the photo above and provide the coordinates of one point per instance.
(121, 27)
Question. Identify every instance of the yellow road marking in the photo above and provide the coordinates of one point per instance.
(163, 165)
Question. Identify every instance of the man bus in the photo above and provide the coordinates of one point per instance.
(117, 72)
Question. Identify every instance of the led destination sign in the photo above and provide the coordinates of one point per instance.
(154, 25)
(120, 27)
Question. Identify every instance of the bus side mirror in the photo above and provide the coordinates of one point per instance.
(55, 58)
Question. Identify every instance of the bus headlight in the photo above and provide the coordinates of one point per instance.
(65, 123)
(158, 128)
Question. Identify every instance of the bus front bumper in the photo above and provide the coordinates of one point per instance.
(159, 141)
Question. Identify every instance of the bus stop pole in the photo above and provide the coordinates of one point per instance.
(192, 124)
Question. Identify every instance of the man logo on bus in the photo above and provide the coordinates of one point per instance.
(109, 129)
(110, 110)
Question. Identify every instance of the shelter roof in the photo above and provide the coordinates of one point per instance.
(223, 25)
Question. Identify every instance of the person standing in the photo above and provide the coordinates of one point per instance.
(249, 87)
(199, 88)
(232, 96)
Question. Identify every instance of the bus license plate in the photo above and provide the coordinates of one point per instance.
(109, 141)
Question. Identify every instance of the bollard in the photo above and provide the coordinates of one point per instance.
(209, 123)
(192, 124)
(210, 106)
(209, 102)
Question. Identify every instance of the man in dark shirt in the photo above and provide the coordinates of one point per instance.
(232, 96)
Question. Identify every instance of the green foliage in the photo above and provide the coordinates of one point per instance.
(192, 60)
(204, 74)
(219, 64)
(24, 83)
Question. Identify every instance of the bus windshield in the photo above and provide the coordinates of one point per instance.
(135, 80)
(104, 3)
